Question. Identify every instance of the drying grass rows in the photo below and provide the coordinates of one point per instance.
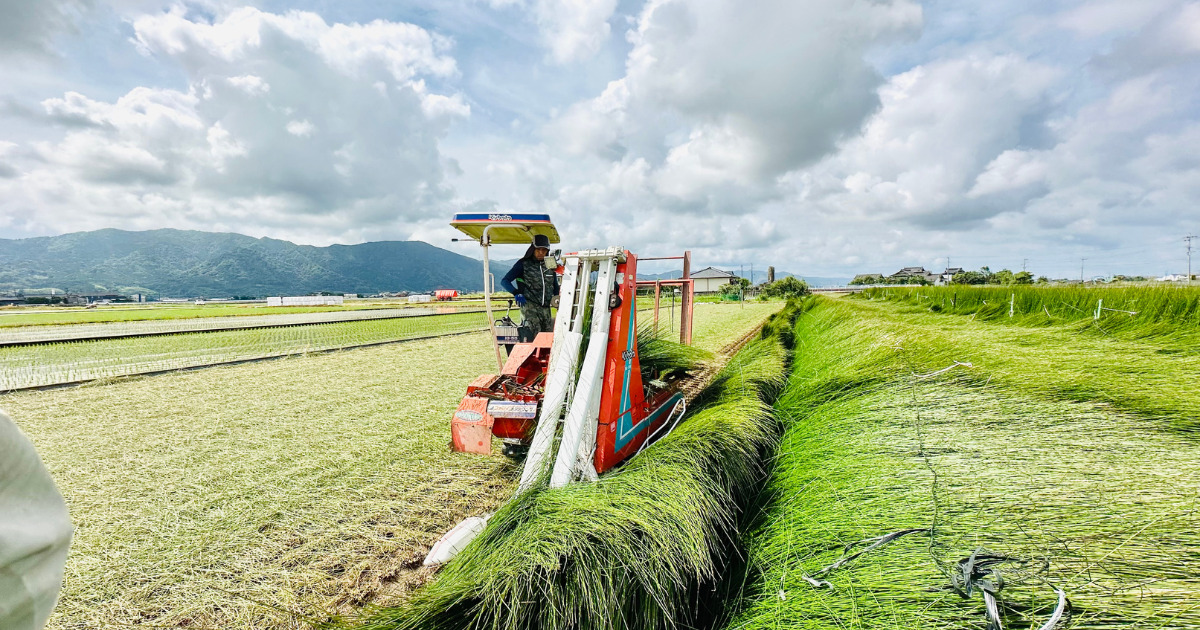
(1101, 503)
(33, 366)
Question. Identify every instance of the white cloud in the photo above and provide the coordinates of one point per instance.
(573, 30)
(250, 84)
(288, 123)
(570, 30)
(301, 128)
(720, 95)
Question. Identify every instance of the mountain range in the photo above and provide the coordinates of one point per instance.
(180, 263)
(185, 263)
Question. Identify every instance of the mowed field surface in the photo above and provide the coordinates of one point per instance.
(270, 494)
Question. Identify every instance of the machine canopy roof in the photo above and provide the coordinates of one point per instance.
(510, 229)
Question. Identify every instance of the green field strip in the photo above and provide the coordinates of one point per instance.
(61, 316)
(60, 363)
(30, 335)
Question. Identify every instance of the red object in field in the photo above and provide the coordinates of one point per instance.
(445, 294)
(506, 405)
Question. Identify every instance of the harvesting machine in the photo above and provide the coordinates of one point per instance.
(585, 375)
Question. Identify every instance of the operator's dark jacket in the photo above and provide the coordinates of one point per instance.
(531, 278)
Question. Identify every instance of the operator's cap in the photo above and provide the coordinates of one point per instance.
(541, 241)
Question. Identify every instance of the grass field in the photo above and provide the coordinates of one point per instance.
(50, 316)
(248, 495)
(715, 324)
(1051, 449)
(49, 364)
(18, 335)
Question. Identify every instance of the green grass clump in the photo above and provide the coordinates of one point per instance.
(1100, 503)
(641, 548)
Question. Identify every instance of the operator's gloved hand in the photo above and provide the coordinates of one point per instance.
(520, 299)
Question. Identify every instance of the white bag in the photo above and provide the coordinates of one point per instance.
(35, 533)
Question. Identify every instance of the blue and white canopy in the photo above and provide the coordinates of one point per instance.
(509, 229)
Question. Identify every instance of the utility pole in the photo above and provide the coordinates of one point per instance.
(1024, 264)
(1081, 270)
(1188, 239)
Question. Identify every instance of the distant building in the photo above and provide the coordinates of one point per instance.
(445, 294)
(913, 274)
(711, 279)
(949, 274)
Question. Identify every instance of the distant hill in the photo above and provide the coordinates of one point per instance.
(179, 263)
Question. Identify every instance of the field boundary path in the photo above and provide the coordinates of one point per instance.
(32, 335)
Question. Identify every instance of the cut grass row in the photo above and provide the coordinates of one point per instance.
(643, 547)
(51, 364)
(1100, 503)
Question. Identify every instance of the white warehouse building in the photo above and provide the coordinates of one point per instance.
(711, 279)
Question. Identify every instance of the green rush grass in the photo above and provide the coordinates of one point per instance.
(1147, 376)
(644, 547)
(1101, 503)
(1134, 311)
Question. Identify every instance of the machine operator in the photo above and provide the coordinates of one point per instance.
(534, 284)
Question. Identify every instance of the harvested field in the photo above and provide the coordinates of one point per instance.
(253, 495)
(304, 483)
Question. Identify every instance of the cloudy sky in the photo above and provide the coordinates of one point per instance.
(824, 137)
